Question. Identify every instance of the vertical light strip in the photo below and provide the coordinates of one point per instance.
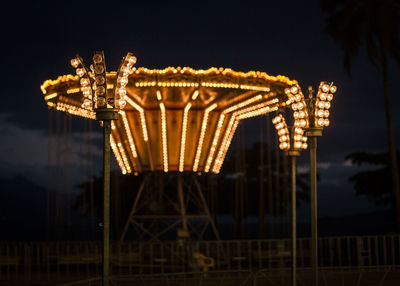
(128, 132)
(202, 133)
(142, 118)
(117, 155)
(183, 137)
(124, 158)
(164, 136)
(214, 142)
(224, 141)
(216, 170)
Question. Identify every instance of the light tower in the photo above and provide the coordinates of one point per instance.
(106, 104)
(312, 114)
(291, 142)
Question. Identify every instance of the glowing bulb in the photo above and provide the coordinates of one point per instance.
(281, 132)
(326, 122)
(84, 81)
(123, 81)
(320, 113)
(321, 104)
(99, 69)
(321, 122)
(80, 72)
(297, 145)
(326, 113)
(287, 91)
(294, 89)
(276, 120)
(131, 59)
(284, 138)
(333, 89)
(303, 123)
(295, 115)
(294, 106)
(327, 104)
(329, 97)
(302, 114)
(100, 90)
(298, 131)
(300, 105)
(285, 145)
(75, 62)
(122, 92)
(97, 58)
(304, 145)
(322, 96)
(87, 103)
(298, 97)
(86, 91)
(121, 104)
(325, 88)
(100, 80)
(101, 101)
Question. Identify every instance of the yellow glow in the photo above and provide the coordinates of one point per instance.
(164, 136)
(202, 133)
(214, 142)
(117, 155)
(218, 160)
(50, 96)
(228, 143)
(129, 134)
(159, 96)
(183, 137)
(142, 118)
(73, 90)
(71, 109)
(243, 103)
(195, 94)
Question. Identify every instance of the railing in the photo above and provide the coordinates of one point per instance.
(68, 261)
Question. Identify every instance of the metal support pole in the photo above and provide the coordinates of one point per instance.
(182, 202)
(314, 231)
(294, 221)
(106, 206)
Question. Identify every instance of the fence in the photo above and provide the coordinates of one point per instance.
(72, 260)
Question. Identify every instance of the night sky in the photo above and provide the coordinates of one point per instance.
(277, 37)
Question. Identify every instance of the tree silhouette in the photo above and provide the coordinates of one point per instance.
(374, 24)
(375, 184)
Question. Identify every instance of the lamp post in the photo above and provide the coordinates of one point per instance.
(292, 143)
(106, 104)
(312, 114)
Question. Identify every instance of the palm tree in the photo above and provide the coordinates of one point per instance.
(374, 24)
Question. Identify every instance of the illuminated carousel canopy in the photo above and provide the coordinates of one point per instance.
(177, 119)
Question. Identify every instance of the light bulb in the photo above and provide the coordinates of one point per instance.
(279, 125)
(295, 115)
(298, 131)
(80, 72)
(329, 97)
(325, 88)
(87, 103)
(99, 69)
(281, 132)
(326, 122)
(320, 113)
(326, 113)
(97, 58)
(121, 104)
(300, 105)
(297, 145)
(284, 138)
(86, 91)
(100, 80)
(274, 121)
(298, 97)
(101, 101)
(321, 122)
(304, 139)
(123, 81)
(287, 91)
(304, 145)
(327, 104)
(321, 104)
(294, 89)
(302, 114)
(294, 106)
(333, 89)
(303, 123)
(122, 92)
(84, 81)
(100, 90)
(75, 62)
(322, 96)
(131, 59)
